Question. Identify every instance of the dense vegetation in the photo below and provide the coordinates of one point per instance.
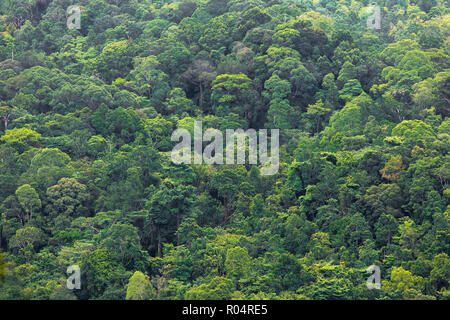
(85, 139)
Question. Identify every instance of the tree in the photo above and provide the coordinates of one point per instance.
(347, 73)
(234, 93)
(51, 157)
(98, 271)
(48, 166)
(318, 112)
(403, 281)
(351, 89)
(28, 199)
(237, 263)
(219, 288)
(393, 168)
(115, 60)
(10, 44)
(280, 113)
(413, 131)
(177, 103)
(149, 79)
(385, 229)
(219, 32)
(167, 207)
(304, 85)
(27, 236)
(2, 268)
(440, 273)
(201, 73)
(384, 199)
(320, 245)
(356, 230)
(7, 114)
(67, 198)
(21, 138)
(139, 287)
(287, 37)
(175, 59)
(123, 241)
(409, 235)
(252, 18)
(225, 182)
(331, 93)
(433, 92)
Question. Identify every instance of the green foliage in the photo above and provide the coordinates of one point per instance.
(28, 199)
(86, 118)
(219, 288)
(237, 263)
(20, 138)
(139, 287)
(26, 236)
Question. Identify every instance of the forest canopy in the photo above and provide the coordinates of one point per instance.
(87, 114)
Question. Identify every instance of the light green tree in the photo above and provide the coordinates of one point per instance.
(237, 262)
(28, 199)
(139, 287)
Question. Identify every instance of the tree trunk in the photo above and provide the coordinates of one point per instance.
(200, 102)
